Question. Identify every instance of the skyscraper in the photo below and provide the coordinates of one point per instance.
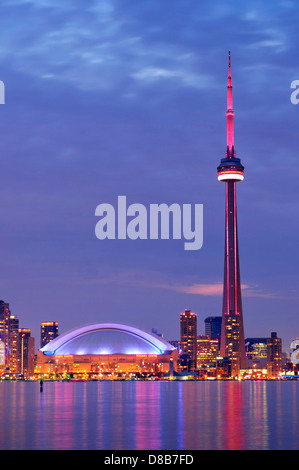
(49, 331)
(4, 328)
(274, 356)
(188, 324)
(26, 352)
(14, 339)
(231, 171)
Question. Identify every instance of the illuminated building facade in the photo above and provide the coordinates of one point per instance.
(4, 328)
(26, 352)
(17, 355)
(49, 331)
(274, 356)
(207, 350)
(105, 350)
(188, 328)
(14, 345)
(231, 171)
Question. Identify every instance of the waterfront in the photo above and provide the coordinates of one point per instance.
(142, 415)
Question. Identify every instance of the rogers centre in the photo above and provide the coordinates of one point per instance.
(106, 350)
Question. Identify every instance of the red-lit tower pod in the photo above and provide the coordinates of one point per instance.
(231, 171)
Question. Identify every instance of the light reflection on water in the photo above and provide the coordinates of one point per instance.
(149, 415)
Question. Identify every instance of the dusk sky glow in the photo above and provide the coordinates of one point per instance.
(108, 98)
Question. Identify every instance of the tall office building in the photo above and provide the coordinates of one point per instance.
(26, 352)
(14, 340)
(231, 171)
(213, 327)
(274, 356)
(49, 331)
(188, 327)
(4, 328)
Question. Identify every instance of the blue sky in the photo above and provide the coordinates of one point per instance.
(108, 98)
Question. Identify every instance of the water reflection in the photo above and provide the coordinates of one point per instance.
(149, 415)
(233, 412)
(148, 410)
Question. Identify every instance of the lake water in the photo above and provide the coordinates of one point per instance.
(196, 415)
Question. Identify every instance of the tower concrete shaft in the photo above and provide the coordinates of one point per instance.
(230, 170)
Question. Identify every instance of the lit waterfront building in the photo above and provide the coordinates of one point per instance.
(4, 328)
(207, 350)
(231, 171)
(14, 345)
(49, 331)
(188, 328)
(26, 352)
(274, 356)
(106, 350)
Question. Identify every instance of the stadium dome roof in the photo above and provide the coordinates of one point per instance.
(107, 338)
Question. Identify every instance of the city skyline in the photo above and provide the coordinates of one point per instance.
(114, 351)
(132, 102)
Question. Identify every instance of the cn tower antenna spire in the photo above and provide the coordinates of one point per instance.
(230, 153)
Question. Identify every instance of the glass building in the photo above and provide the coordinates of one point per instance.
(49, 331)
(213, 327)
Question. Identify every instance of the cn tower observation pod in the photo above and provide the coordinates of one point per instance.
(230, 169)
(107, 338)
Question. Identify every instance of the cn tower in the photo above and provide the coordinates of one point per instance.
(230, 170)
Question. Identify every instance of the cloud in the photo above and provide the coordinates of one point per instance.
(154, 280)
(151, 74)
(199, 289)
(216, 289)
(102, 45)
